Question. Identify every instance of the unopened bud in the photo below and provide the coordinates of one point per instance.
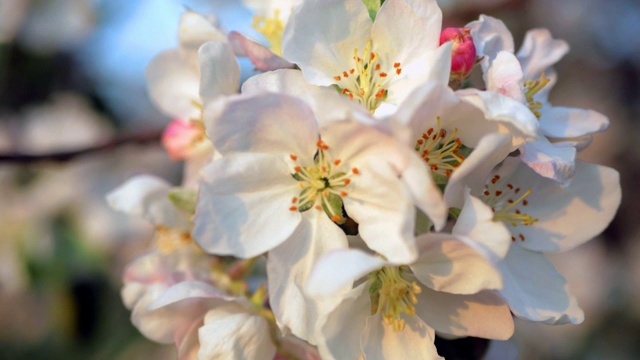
(463, 52)
(180, 138)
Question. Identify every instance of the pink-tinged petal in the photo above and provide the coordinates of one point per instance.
(505, 76)
(187, 344)
(261, 57)
(425, 193)
(340, 330)
(540, 51)
(326, 103)
(474, 170)
(173, 85)
(220, 72)
(509, 112)
(235, 336)
(415, 341)
(561, 122)
(447, 264)
(183, 264)
(243, 207)
(288, 268)
(197, 29)
(147, 196)
(535, 290)
(555, 161)
(568, 216)
(172, 311)
(321, 35)
(430, 66)
(300, 349)
(340, 268)
(268, 123)
(484, 314)
(180, 137)
(403, 29)
(476, 223)
(490, 36)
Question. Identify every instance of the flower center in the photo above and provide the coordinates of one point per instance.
(366, 82)
(441, 151)
(533, 87)
(507, 203)
(169, 240)
(393, 295)
(272, 29)
(322, 185)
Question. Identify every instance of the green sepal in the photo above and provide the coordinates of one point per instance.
(333, 205)
(455, 212)
(184, 199)
(302, 207)
(423, 223)
(372, 6)
(297, 176)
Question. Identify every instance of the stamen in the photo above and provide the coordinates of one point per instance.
(368, 85)
(504, 204)
(439, 151)
(393, 295)
(272, 29)
(534, 87)
(322, 185)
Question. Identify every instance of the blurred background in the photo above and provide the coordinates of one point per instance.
(75, 122)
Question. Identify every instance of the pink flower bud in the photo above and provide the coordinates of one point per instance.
(463, 52)
(180, 138)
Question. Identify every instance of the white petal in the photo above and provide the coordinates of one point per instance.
(540, 51)
(243, 205)
(476, 222)
(490, 36)
(288, 269)
(269, 123)
(425, 193)
(535, 290)
(552, 160)
(431, 66)
(173, 85)
(505, 76)
(340, 268)
(340, 330)
(511, 113)
(235, 336)
(261, 57)
(415, 341)
(484, 314)
(220, 72)
(381, 206)
(148, 197)
(395, 29)
(321, 35)
(568, 216)
(326, 103)
(196, 29)
(561, 122)
(447, 264)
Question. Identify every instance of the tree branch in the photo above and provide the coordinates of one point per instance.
(64, 156)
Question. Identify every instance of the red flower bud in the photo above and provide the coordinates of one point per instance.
(180, 138)
(463, 52)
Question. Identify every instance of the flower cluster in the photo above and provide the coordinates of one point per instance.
(360, 194)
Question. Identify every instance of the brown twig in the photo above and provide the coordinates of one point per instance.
(64, 156)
